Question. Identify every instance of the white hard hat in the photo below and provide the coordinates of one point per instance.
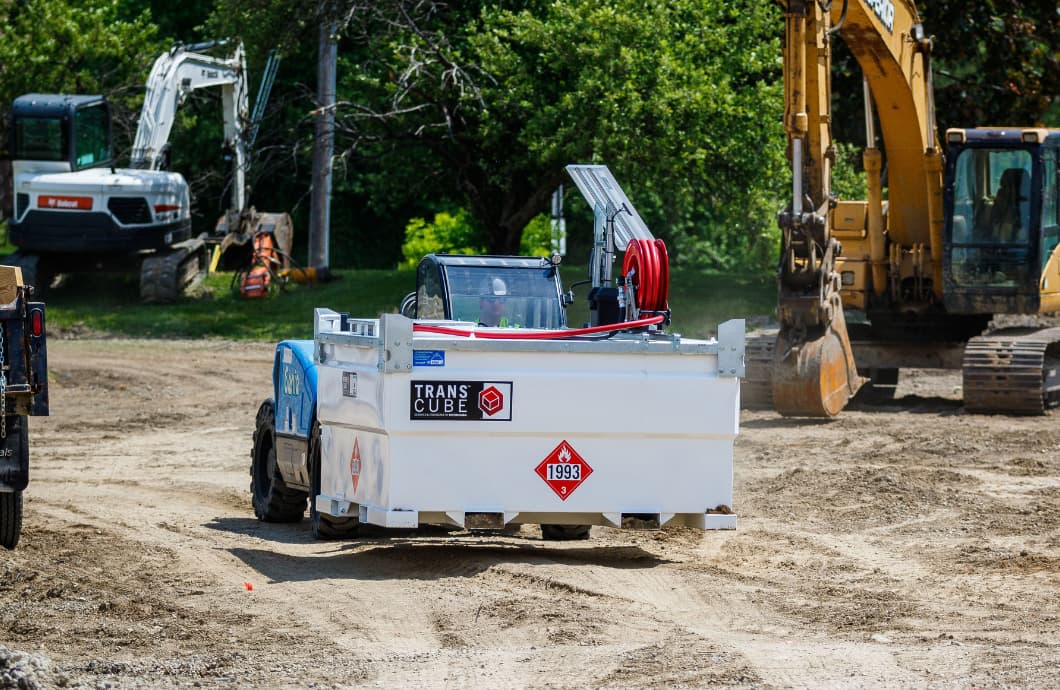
(495, 287)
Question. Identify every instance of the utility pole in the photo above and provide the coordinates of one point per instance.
(323, 146)
(559, 224)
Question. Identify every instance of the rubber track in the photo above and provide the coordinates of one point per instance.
(165, 275)
(1012, 372)
(756, 388)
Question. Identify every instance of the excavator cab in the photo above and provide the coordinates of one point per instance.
(60, 133)
(1001, 216)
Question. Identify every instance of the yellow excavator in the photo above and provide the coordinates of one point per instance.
(925, 264)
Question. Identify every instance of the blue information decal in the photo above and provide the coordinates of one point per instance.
(428, 358)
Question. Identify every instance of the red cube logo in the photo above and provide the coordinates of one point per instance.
(491, 401)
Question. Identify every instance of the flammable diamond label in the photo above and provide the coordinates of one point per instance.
(563, 470)
(355, 463)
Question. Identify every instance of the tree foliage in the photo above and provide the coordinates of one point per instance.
(451, 234)
(994, 63)
(78, 46)
(479, 105)
(997, 62)
(680, 98)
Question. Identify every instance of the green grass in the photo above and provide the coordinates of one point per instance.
(107, 304)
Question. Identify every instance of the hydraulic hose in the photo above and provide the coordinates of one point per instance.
(517, 334)
(649, 264)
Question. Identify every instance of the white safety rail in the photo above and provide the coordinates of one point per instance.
(627, 432)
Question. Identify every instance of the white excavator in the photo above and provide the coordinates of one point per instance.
(75, 212)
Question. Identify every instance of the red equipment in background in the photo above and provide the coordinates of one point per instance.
(265, 262)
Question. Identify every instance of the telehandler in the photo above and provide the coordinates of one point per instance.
(432, 417)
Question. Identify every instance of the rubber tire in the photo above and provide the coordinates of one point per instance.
(325, 526)
(273, 500)
(565, 532)
(10, 518)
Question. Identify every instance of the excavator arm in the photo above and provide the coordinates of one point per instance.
(814, 372)
(178, 72)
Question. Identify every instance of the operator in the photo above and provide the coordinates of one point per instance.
(492, 302)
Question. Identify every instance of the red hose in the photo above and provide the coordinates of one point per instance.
(517, 334)
(650, 264)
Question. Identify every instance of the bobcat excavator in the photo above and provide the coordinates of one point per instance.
(74, 211)
(955, 240)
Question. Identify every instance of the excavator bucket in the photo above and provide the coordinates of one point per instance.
(815, 376)
(237, 244)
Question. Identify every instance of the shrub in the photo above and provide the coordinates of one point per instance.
(452, 234)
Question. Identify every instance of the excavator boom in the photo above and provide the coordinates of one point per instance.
(813, 365)
(814, 370)
(175, 74)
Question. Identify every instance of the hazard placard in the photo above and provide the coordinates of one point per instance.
(563, 470)
(355, 463)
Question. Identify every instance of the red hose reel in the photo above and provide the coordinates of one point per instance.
(646, 268)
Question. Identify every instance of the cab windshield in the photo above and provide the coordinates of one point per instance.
(505, 296)
(91, 137)
(991, 221)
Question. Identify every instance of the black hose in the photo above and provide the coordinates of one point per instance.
(842, 16)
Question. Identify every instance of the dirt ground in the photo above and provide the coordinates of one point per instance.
(905, 545)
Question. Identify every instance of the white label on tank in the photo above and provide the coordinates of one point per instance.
(349, 384)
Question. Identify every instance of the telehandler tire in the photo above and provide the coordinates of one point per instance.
(565, 532)
(325, 526)
(10, 518)
(273, 500)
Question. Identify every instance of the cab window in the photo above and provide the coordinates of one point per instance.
(39, 139)
(991, 220)
(91, 137)
(429, 301)
(1050, 205)
(530, 296)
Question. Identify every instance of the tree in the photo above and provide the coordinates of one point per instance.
(489, 102)
(996, 62)
(79, 46)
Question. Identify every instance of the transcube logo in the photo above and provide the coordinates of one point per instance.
(489, 401)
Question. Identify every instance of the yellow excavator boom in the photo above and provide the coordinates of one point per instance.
(814, 371)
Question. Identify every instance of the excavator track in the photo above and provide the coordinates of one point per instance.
(1012, 371)
(756, 388)
(166, 274)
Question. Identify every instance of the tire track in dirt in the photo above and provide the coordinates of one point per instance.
(892, 547)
